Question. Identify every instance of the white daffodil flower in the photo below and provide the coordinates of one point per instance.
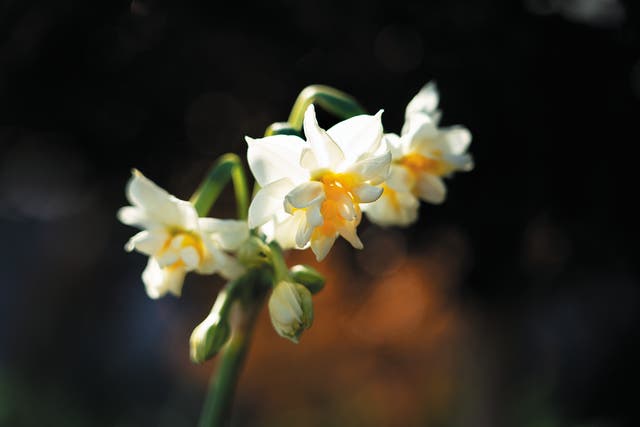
(176, 240)
(423, 155)
(312, 190)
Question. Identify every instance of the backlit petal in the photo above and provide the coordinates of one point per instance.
(358, 136)
(275, 157)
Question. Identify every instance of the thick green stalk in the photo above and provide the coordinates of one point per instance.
(217, 408)
(216, 411)
(226, 167)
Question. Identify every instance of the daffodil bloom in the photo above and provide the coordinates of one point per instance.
(423, 155)
(312, 190)
(176, 240)
(291, 309)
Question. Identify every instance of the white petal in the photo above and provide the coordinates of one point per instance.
(147, 241)
(314, 215)
(367, 193)
(131, 215)
(358, 136)
(392, 143)
(463, 162)
(229, 233)
(372, 169)
(158, 205)
(306, 194)
(400, 179)
(347, 211)
(327, 153)
(190, 257)
(188, 216)
(321, 246)
(303, 234)
(286, 229)
(268, 201)
(393, 208)
(349, 233)
(160, 281)
(457, 139)
(216, 260)
(142, 192)
(230, 268)
(431, 188)
(308, 160)
(168, 257)
(275, 157)
(426, 101)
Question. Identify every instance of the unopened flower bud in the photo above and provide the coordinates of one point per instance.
(208, 337)
(291, 309)
(309, 277)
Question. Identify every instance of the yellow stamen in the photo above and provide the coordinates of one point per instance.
(417, 164)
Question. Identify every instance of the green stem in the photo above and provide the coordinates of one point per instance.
(226, 167)
(331, 99)
(280, 269)
(216, 411)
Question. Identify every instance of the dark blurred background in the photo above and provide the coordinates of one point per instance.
(515, 303)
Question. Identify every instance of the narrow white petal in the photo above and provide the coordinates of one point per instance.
(314, 215)
(276, 157)
(327, 153)
(306, 194)
(229, 233)
(426, 101)
(350, 234)
(347, 211)
(303, 234)
(131, 215)
(147, 241)
(321, 246)
(367, 193)
(358, 136)
(268, 201)
(160, 281)
(431, 188)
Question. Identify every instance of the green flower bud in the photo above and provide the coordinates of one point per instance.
(291, 310)
(309, 277)
(208, 337)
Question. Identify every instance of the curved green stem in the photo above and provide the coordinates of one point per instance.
(226, 167)
(331, 99)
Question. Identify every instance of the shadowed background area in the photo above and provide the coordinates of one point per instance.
(515, 303)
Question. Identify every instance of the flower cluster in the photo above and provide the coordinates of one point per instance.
(311, 191)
